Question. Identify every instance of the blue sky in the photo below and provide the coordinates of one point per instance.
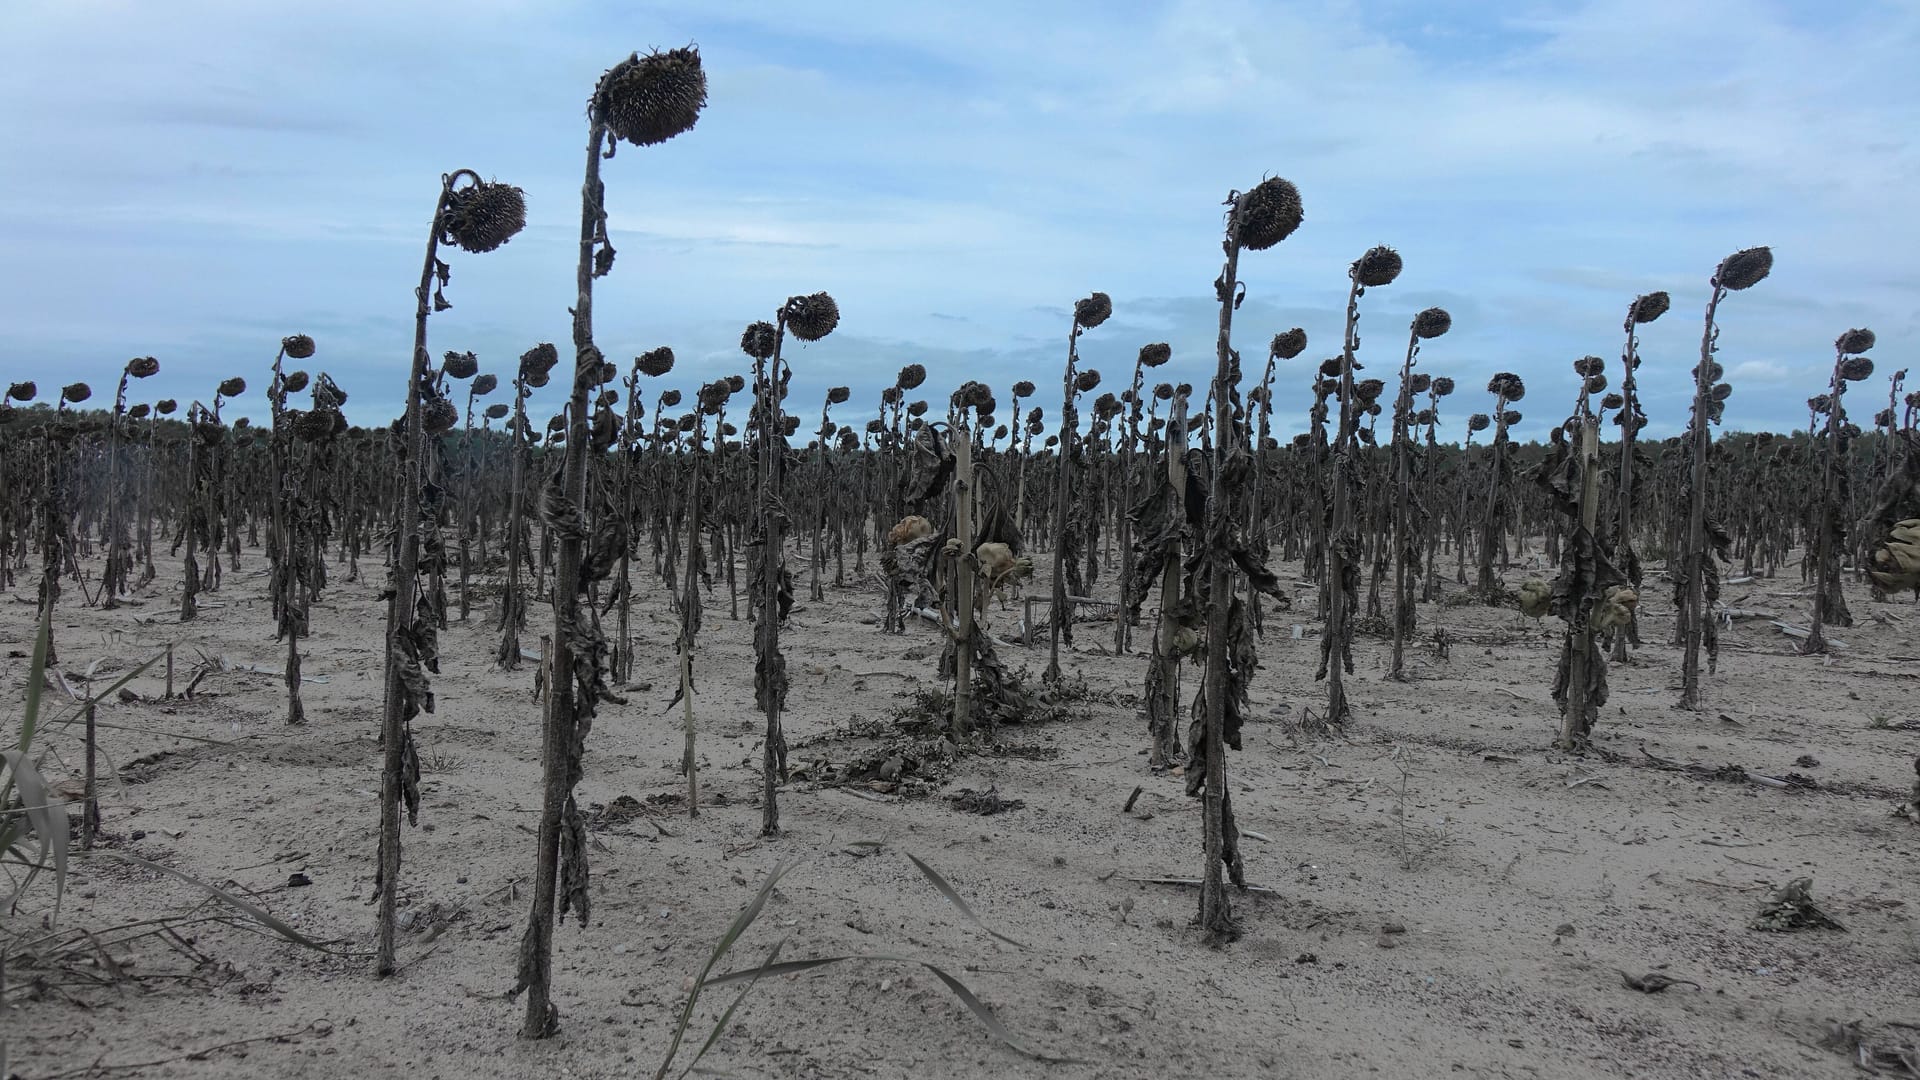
(193, 180)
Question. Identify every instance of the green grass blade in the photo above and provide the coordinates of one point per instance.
(257, 914)
(49, 821)
(967, 997)
(720, 949)
(953, 895)
(36, 679)
(720, 1027)
(112, 688)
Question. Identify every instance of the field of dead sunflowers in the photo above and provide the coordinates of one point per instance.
(957, 733)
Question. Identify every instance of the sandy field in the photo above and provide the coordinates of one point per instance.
(1439, 892)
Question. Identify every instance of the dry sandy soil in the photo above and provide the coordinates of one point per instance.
(1484, 933)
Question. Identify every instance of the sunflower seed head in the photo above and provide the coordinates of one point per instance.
(1268, 214)
(1856, 368)
(655, 362)
(812, 317)
(483, 215)
(1855, 341)
(647, 100)
(758, 340)
(1651, 306)
(459, 365)
(1744, 269)
(1379, 266)
(1092, 311)
(1431, 323)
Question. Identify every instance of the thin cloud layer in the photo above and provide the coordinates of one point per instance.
(194, 180)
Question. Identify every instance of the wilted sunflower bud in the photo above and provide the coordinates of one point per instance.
(655, 362)
(496, 410)
(1714, 371)
(537, 364)
(1163, 392)
(1596, 383)
(142, 367)
(1855, 341)
(1883, 418)
(758, 340)
(648, 100)
(1479, 422)
(1023, 388)
(485, 384)
(165, 406)
(1507, 385)
(1612, 401)
(1431, 323)
(22, 391)
(242, 424)
(735, 383)
(1368, 390)
(789, 424)
(1819, 403)
(75, 393)
(293, 382)
(137, 412)
(608, 373)
(607, 399)
(458, 365)
(812, 317)
(1288, 344)
(1420, 383)
(1330, 368)
(1092, 311)
(297, 346)
(1268, 214)
(1651, 306)
(1052, 441)
(437, 415)
(875, 427)
(1443, 386)
(911, 377)
(838, 395)
(688, 422)
(669, 399)
(1589, 365)
(1856, 368)
(316, 426)
(1510, 417)
(1379, 266)
(1744, 269)
(849, 440)
(1154, 355)
(916, 408)
(1086, 380)
(483, 215)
